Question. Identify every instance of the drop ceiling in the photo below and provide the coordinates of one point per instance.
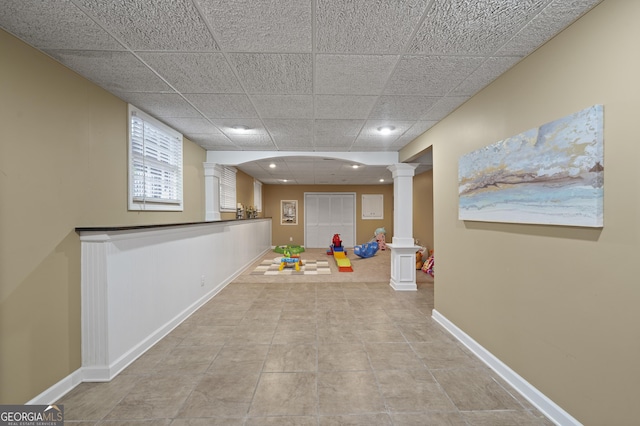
(309, 76)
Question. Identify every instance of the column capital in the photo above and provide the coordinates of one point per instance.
(212, 169)
(402, 170)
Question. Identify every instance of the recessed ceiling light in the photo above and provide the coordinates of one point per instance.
(240, 128)
(355, 166)
(273, 166)
(386, 130)
(381, 180)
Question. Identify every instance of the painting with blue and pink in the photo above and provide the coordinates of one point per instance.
(551, 175)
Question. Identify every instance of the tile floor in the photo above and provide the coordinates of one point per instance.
(320, 354)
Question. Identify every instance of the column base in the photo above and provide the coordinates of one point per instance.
(403, 267)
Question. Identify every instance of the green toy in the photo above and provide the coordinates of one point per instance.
(290, 249)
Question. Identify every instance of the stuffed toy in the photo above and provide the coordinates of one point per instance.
(380, 238)
(429, 265)
(419, 261)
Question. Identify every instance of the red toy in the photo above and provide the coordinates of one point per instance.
(336, 245)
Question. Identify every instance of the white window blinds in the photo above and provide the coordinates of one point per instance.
(257, 195)
(228, 189)
(155, 164)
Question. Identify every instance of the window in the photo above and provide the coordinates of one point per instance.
(228, 189)
(155, 164)
(257, 195)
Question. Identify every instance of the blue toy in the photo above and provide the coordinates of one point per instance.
(366, 250)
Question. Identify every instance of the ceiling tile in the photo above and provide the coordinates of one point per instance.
(444, 107)
(253, 141)
(284, 106)
(232, 126)
(274, 73)
(370, 128)
(289, 128)
(189, 126)
(194, 72)
(213, 141)
(153, 24)
(555, 17)
(41, 26)
(484, 74)
(105, 69)
(160, 104)
(331, 133)
(224, 105)
(353, 74)
(343, 106)
(431, 75)
(402, 107)
(418, 128)
(370, 26)
(267, 26)
(463, 27)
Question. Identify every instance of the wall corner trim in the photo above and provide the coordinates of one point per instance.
(549, 408)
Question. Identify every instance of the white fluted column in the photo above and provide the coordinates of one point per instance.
(212, 176)
(403, 248)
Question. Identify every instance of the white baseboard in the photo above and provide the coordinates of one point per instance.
(57, 391)
(553, 411)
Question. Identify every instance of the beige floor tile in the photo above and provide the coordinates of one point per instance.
(298, 333)
(251, 336)
(282, 421)
(209, 421)
(285, 394)
(188, 359)
(412, 390)
(444, 353)
(335, 317)
(379, 419)
(431, 418)
(92, 401)
(291, 358)
(158, 396)
(226, 394)
(503, 418)
(377, 332)
(298, 316)
(208, 335)
(330, 333)
(240, 358)
(348, 392)
(343, 357)
(332, 304)
(128, 422)
(420, 332)
(393, 356)
(475, 389)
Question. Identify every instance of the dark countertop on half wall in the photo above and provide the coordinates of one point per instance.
(164, 225)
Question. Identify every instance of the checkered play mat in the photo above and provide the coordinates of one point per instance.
(309, 267)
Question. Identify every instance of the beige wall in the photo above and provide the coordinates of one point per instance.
(423, 209)
(364, 228)
(63, 164)
(557, 304)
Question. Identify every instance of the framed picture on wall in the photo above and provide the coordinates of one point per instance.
(288, 212)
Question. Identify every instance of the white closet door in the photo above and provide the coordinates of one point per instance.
(327, 214)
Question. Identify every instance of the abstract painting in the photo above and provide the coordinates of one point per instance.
(551, 175)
